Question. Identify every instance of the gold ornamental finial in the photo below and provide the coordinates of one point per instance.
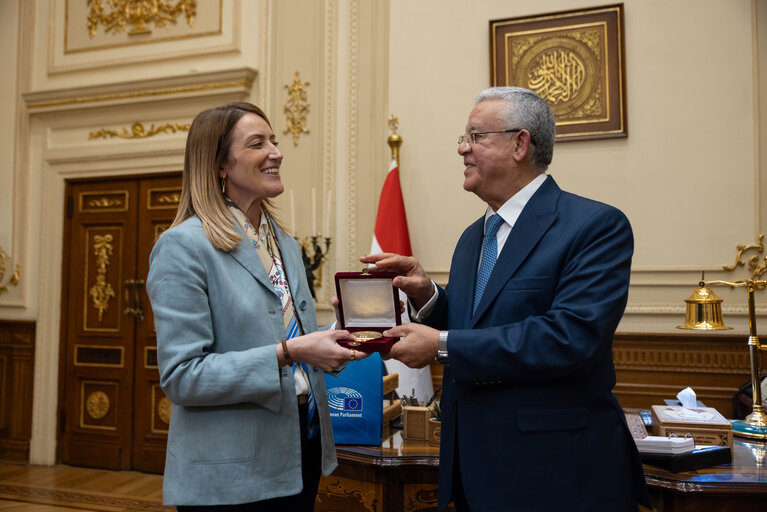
(394, 140)
(296, 108)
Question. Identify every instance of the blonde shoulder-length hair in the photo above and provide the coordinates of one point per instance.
(207, 149)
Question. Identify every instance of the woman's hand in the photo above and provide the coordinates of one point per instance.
(321, 350)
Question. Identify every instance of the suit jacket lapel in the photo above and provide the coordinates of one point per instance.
(291, 264)
(246, 256)
(536, 218)
(466, 258)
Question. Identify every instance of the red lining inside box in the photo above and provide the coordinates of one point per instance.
(379, 345)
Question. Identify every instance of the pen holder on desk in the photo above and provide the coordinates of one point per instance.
(435, 431)
(415, 422)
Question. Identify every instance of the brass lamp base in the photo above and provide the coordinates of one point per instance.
(742, 429)
(754, 426)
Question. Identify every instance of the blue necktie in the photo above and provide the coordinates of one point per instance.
(489, 255)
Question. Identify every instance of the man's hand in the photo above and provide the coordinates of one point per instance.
(412, 278)
(418, 346)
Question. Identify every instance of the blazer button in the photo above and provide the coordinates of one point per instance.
(302, 306)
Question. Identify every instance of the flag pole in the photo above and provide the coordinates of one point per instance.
(394, 140)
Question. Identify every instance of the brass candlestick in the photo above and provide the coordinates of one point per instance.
(313, 257)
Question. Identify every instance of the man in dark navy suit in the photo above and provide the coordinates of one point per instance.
(525, 329)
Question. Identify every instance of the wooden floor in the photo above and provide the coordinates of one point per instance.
(70, 489)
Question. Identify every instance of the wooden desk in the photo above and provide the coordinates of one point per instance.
(740, 486)
(401, 475)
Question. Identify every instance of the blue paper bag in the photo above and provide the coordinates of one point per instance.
(356, 402)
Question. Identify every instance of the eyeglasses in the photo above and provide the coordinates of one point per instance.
(472, 137)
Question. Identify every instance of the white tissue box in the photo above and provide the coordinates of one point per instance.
(705, 424)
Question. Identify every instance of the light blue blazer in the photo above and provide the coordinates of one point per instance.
(234, 433)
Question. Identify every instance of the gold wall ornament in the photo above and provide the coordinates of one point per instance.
(296, 108)
(97, 404)
(557, 75)
(138, 131)
(104, 202)
(169, 199)
(102, 292)
(163, 198)
(753, 262)
(164, 407)
(160, 411)
(13, 279)
(138, 14)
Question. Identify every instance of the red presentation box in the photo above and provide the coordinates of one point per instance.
(368, 302)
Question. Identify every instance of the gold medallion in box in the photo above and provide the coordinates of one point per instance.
(705, 424)
(368, 305)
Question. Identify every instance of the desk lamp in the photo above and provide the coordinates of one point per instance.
(704, 312)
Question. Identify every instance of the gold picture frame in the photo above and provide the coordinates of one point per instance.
(575, 60)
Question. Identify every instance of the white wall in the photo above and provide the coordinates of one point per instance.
(685, 175)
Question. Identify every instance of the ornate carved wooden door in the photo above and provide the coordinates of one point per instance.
(113, 413)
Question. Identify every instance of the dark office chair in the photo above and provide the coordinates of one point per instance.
(743, 400)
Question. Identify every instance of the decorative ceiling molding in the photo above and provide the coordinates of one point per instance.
(232, 81)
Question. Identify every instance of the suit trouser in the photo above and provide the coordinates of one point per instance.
(459, 496)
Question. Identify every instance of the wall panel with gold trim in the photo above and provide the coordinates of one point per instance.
(104, 33)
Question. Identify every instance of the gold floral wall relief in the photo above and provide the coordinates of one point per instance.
(102, 292)
(97, 25)
(572, 59)
(296, 108)
(138, 131)
(97, 404)
(11, 279)
(135, 16)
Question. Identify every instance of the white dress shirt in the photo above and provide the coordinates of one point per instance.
(509, 212)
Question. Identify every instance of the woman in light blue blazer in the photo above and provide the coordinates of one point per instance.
(240, 356)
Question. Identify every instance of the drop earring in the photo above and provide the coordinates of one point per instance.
(223, 185)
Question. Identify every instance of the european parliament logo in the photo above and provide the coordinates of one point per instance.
(345, 399)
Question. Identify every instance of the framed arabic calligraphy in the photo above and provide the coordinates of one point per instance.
(574, 60)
